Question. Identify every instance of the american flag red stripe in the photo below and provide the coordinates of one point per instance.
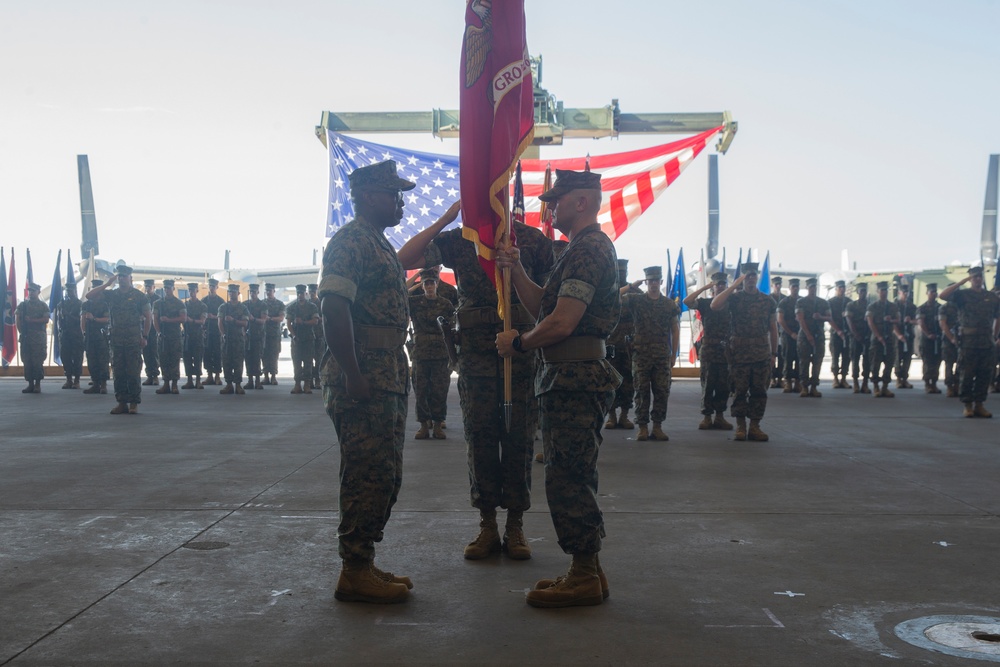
(631, 181)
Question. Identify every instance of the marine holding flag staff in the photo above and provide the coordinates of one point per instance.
(576, 310)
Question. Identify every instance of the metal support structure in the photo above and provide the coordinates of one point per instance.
(988, 246)
(553, 122)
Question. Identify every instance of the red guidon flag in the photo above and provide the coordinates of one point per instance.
(496, 118)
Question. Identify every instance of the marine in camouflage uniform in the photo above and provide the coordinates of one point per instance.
(857, 323)
(255, 337)
(931, 339)
(149, 352)
(366, 377)
(213, 339)
(168, 315)
(272, 335)
(656, 322)
(812, 313)
(95, 318)
(621, 342)
(130, 323)
(883, 321)
(194, 337)
(429, 356)
(499, 460)
(319, 340)
(70, 336)
(31, 318)
(979, 322)
(575, 383)
(904, 348)
(789, 328)
(753, 344)
(778, 375)
(948, 321)
(840, 345)
(233, 320)
(302, 316)
(713, 354)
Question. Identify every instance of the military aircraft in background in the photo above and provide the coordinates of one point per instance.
(284, 278)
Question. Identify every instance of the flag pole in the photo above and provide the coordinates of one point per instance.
(508, 390)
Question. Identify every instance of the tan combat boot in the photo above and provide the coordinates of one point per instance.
(76, 382)
(755, 433)
(804, 391)
(605, 591)
(886, 392)
(876, 392)
(438, 431)
(239, 390)
(133, 408)
(789, 387)
(488, 540)
(297, 389)
(952, 391)
(721, 423)
(119, 409)
(95, 389)
(967, 411)
(624, 422)
(643, 434)
(189, 384)
(513, 537)
(228, 389)
(68, 384)
(932, 388)
(165, 389)
(391, 578)
(864, 388)
(173, 387)
(857, 387)
(814, 392)
(249, 384)
(612, 420)
(104, 387)
(580, 587)
(741, 429)
(980, 411)
(658, 433)
(423, 432)
(705, 423)
(256, 383)
(359, 583)
(198, 384)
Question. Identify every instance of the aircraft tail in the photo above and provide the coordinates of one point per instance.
(87, 218)
(712, 245)
(988, 246)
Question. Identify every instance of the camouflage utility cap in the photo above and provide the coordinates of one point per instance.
(567, 181)
(840, 283)
(148, 282)
(975, 270)
(751, 267)
(300, 289)
(168, 283)
(379, 176)
(34, 287)
(720, 277)
(255, 287)
(653, 272)
(192, 286)
(123, 270)
(212, 282)
(811, 282)
(793, 282)
(268, 286)
(932, 287)
(233, 288)
(883, 285)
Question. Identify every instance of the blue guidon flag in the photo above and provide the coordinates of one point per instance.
(436, 177)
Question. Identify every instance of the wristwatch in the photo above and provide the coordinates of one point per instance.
(516, 344)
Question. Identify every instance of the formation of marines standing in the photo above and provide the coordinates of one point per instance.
(429, 356)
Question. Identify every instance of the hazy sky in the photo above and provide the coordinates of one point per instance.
(864, 125)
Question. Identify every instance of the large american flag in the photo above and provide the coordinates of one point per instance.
(630, 181)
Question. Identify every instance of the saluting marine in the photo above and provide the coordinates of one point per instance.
(655, 319)
(714, 353)
(429, 357)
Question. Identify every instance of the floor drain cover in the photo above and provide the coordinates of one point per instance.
(206, 546)
(976, 637)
